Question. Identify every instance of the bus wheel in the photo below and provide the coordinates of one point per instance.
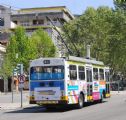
(80, 101)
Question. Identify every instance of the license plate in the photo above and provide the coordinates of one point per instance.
(48, 102)
(48, 92)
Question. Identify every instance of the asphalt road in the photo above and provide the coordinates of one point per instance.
(113, 108)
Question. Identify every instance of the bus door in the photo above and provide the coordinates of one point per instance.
(89, 83)
(96, 90)
(81, 79)
(72, 85)
(107, 78)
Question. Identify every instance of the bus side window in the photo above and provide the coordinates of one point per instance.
(101, 73)
(89, 75)
(95, 73)
(81, 72)
(73, 72)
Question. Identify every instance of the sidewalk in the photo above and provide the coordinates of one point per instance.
(13, 106)
(6, 100)
(118, 92)
(5, 93)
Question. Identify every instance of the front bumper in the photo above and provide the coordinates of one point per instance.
(50, 102)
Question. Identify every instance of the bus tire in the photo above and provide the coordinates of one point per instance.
(80, 103)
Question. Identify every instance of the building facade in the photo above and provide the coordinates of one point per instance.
(5, 20)
(33, 18)
(5, 24)
(2, 52)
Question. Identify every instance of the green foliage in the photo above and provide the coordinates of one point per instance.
(117, 42)
(6, 69)
(120, 4)
(91, 29)
(18, 45)
(27, 48)
(104, 30)
(44, 46)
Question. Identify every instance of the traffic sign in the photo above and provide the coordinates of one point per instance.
(21, 78)
(21, 85)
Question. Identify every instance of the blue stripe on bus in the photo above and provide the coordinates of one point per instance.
(75, 87)
(47, 84)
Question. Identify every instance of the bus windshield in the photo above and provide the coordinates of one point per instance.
(47, 73)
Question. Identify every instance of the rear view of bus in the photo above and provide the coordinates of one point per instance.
(47, 81)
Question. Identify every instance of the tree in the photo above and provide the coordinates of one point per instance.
(18, 45)
(117, 42)
(91, 28)
(104, 30)
(44, 46)
(27, 48)
(120, 4)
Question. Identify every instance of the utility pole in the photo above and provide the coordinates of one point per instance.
(12, 86)
(21, 81)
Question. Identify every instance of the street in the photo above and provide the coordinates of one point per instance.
(113, 108)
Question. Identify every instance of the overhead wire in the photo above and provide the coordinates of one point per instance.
(78, 53)
(69, 51)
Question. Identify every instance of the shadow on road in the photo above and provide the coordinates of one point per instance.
(40, 109)
(93, 103)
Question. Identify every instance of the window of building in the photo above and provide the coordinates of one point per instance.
(54, 20)
(101, 73)
(34, 22)
(73, 72)
(81, 72)
(95, 73)
(48, 22)
(1, 21)
(15, 22)
(25, 23)
(38, 22)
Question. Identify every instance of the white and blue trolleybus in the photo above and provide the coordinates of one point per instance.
(68, 80)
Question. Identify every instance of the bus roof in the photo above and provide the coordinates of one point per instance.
(84, 60)
(39, 61)
(47, 61)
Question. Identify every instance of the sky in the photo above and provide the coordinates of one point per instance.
(75, 6)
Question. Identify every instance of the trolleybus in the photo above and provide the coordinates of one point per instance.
(68, 80)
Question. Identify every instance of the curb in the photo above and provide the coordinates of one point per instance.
(117, 92)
